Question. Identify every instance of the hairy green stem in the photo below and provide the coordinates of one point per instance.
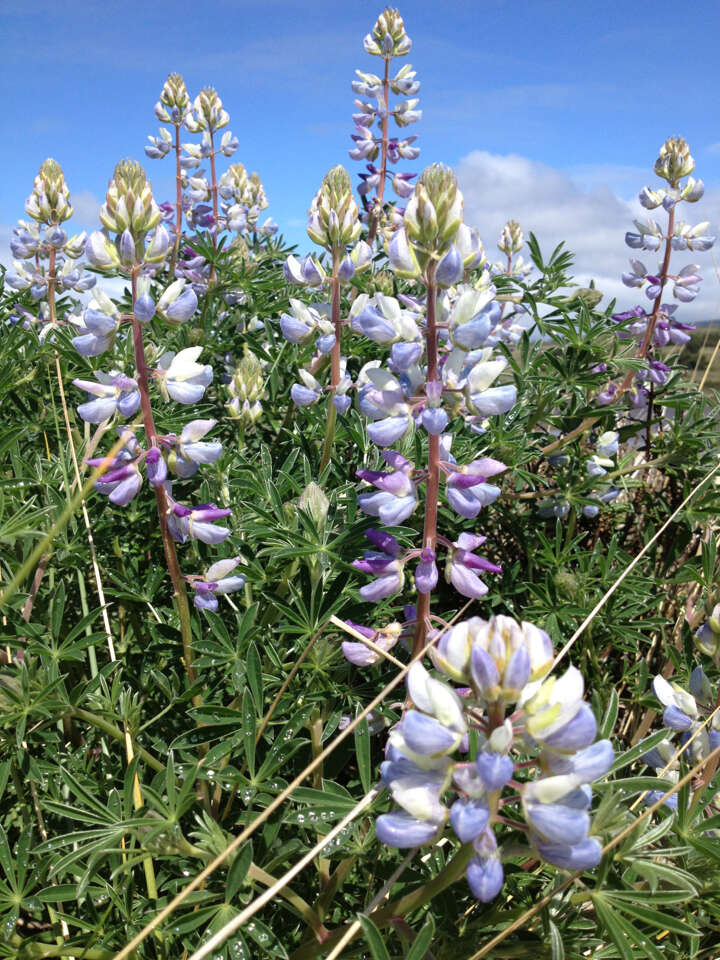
(116, 733)
(178, 204)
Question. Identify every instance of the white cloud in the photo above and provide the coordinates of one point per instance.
(589, 208)
(86, 208)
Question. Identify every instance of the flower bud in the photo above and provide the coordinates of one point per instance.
(388, 38)
(675, 160)
(207, 112)
(314, 501)
(49, 201)
(434, 212)
(511, 239)
(333, 221)
(174, 94)
(129, 203)
(246, 390)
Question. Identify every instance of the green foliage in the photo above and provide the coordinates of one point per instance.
(210, 757)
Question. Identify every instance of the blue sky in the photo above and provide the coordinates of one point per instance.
(551, 111)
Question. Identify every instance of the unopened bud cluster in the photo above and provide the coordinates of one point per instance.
(333, 222)
(246, 389)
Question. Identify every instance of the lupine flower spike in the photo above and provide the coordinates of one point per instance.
(388, 41)
(514, 710)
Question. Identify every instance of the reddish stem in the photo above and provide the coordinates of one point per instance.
(180, 593)
(432, 486)
(376, 211)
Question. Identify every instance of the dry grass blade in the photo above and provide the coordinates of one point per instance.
(708, 368)
(86, 517)
(229, 928)
(633, 563)
(272, 807)
(62, 520)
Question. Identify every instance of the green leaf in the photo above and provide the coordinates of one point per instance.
(238, 871)
(610, 716)
(422, 941)
(654, 917)
(254, 677)
(373, 938)
(610, 921)
(634, 753)
(362, 753)
(248, 713)
(265, 938)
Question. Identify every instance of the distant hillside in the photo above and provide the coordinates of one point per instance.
(699, 353)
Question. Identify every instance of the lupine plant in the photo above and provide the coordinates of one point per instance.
(438, 690)
(388, 41)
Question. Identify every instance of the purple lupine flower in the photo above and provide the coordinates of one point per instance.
(216, 581)
(382, 400)
(397, 497)
(382, 564)
(197, 523)
(468, 490)
(306, 393)
(462, 564)
(183, 378)
(120, 484)
(309, 272)
(360, 655)
(155, 467)
(399, 829)
(114, 392)
(189, 450)
(178, 302)
(97, 327)
(484, 873)
(450, 269)
(426, 572)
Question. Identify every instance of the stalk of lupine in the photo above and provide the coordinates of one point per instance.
(509, 717)
(130, 212)
(333, 224)
(207, 117)
(173, 107)
(388, 40)
(424, 248)
(429, 384)
(659, 326)
(46, 259)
